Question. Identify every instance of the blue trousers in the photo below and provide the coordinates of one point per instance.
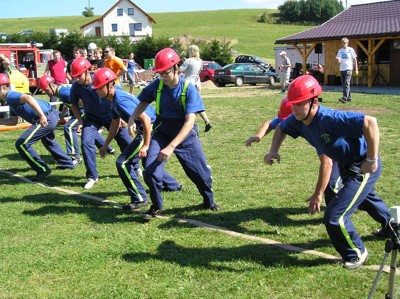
(89, 135)
(72, 139)
(128, 161)
(46, 135)
(357, 193)
(190, 155)
(345, 76)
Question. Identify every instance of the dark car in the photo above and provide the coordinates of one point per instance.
(207, 72)
(253, 59)
(244, 73)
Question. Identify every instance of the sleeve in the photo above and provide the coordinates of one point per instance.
(148, 94)
(73, 96)
(184, 66)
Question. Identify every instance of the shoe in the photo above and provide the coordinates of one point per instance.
(90, 183)
(111, 151)
(77, 160)
(41, 175)
(343, 100)
(135, 205)
(214, 207)
(381, 233)
(208, 127)
(180, 188)
(356, 263)
(63, 167)
(139, 173)
(151, 213)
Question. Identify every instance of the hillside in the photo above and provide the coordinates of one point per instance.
(249, 36)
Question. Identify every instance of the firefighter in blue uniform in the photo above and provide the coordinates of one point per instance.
(123, 104)
(62, 92)
(97, 115)
(352, 140)
(44, 120)
(177, 104)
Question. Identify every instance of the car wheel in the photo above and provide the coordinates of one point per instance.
(220, 84)
(272, 80)
(239, 81)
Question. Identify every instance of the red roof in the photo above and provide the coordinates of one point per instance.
(358, 21)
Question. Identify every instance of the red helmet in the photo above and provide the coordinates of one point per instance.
(45, 81)
(102, 77)
(303, 88)
(286, 108)
(165, 59)
(4, 79)
(79, 66)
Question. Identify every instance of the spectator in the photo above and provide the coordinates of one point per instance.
(44, 120)
(97, 61)
(192, 67)
(131, 74)
(114, 63)
(352, 140)
(177, 103)
(76, 53)
(346, 57)
(57, 68)
(4, 64)
(284, 68)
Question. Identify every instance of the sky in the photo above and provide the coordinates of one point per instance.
(48, 8)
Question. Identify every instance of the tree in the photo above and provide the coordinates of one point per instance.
(88, 12)
(309, 11)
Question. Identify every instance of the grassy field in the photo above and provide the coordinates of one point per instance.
(56, 245)
(240, 26)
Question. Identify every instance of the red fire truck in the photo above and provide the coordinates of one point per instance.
(29, 59)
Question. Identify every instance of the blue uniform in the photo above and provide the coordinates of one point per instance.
(338, 135)
(70, 127)
(123, 106)
(171, 118)
(97, 114)
(37, 132)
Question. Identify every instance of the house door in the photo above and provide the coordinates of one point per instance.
(395, 67)
(98, 31)
(132, 29)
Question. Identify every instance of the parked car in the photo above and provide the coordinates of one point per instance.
(244, 73)
(253, 59)
(26, 32)
(3, 36)
(207, 72)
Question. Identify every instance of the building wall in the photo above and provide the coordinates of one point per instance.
(124, 21)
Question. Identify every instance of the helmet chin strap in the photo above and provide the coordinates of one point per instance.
(309, 110)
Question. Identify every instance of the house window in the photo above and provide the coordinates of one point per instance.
(114, 27)
(131, 11)
(138, 27)
(120, 12)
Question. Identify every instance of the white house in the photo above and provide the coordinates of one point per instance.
(125, 18)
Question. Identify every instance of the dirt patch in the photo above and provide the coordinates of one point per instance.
(208, 85)
(369, 111)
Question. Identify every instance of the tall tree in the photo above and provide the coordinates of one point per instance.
(88, 12)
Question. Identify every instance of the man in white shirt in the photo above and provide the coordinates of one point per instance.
(346, 56)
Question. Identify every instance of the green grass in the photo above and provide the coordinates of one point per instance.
(240, 26)
(55, 245)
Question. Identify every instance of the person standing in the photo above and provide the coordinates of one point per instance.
(177, 104)
(44, 120)
(284, 68)
(97, 61)
(57, 68)
(352, 140)
(131, 74)
(347, 58)
(97, 114)
(114, 63)
(123, 105)
(192, 67)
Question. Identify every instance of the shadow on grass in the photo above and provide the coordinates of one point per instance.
(218, 258)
